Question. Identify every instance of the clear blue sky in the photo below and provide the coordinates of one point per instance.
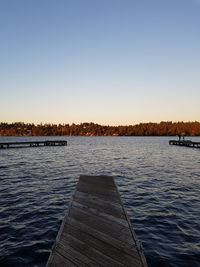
(114, 62)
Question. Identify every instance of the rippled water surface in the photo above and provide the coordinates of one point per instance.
(159, 186)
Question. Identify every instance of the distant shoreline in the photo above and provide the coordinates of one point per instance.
(92, 129)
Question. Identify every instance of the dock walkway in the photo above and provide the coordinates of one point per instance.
(187, 143)
(32, 144)
(96, 230)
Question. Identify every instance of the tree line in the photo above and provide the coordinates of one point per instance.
(167, 128)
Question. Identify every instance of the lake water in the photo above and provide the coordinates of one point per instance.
(159, 185)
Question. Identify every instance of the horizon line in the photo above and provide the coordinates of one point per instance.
(65, 123)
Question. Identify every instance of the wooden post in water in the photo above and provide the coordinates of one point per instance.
(96, 230)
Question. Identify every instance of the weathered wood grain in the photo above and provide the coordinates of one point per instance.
(106, 238)
(100, 213)
(96, 231)
(60, 260)
(100, 204)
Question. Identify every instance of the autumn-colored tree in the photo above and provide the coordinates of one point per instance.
(92, 129)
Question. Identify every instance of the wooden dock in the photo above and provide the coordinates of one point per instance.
(96, 230)
(33, 144)
(187, 143)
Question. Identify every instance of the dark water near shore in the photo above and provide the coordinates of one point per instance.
(159, 185)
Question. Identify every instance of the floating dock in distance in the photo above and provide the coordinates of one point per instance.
(187, 143)
(96, 230)
(33, 144)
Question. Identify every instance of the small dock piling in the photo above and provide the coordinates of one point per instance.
(33, 144)
(96, 230)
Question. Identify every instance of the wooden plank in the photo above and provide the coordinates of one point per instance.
(110, 228)
(105, 180)
(85, 180)
(74, 255)
(109, 246)
(60, 260)
(100, 204)
(97, 189)
(101, 213)
(96, 230)
(116, 243)
(87, 248)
